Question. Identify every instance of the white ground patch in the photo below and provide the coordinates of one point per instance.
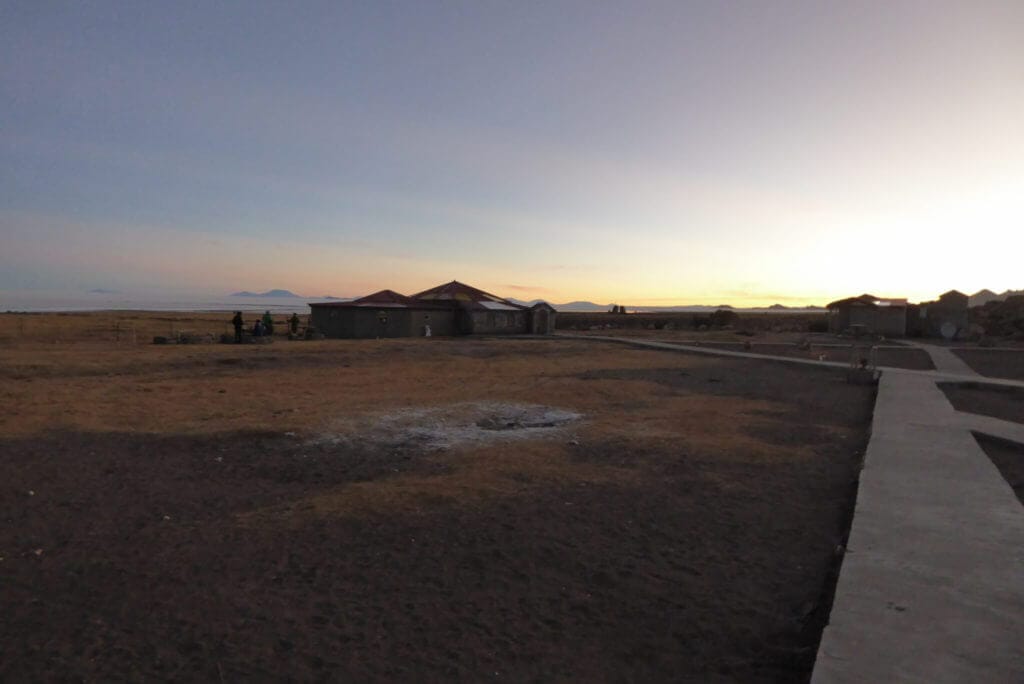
(444, 427)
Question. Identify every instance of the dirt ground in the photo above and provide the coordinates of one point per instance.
(994, 363)
(997, 401)
(417, 509)
(1008, 457)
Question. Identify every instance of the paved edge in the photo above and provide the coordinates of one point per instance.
(931, 587)
(711, 351)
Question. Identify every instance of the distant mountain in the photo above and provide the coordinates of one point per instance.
(582, 306)
(100, 290)
(268, 293)
(983, 297)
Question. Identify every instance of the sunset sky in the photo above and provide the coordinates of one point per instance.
(647, 153)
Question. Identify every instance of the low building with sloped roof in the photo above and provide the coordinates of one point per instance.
(450, 309)
(382, 314)
(868, 314)
(945, 317)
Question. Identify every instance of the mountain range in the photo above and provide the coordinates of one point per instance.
(586, 307)
(268, 293)
(983, 297)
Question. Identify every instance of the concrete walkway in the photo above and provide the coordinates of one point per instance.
(964, 375)
(944, 359)
(932, 585)
(992, 426)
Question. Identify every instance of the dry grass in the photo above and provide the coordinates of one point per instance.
(679, 523)
(118, 327)
(96, 385)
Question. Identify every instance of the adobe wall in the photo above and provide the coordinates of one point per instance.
(370, 322)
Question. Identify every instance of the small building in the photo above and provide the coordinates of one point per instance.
(946, 317)
(450, 309)
(542, 319)
(868, 314)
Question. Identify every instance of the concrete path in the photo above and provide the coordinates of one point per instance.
(944, 359)
(932, 585)
(992, 426)
(967, 375)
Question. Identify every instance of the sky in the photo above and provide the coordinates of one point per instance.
(737, 152)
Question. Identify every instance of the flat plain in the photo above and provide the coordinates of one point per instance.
(413, 509)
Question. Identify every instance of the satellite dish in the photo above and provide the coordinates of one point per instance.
(948, 330)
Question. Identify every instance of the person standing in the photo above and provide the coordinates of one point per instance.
(293, 322)
(238, 322)
(268, 324)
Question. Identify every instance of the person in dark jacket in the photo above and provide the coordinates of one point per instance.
(238, 323)
(268, 324)
(293, 322)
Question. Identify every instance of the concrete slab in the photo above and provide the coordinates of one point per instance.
(969, 376)
(944, 359)
(996, 427)
(932, 585)
(709, 351)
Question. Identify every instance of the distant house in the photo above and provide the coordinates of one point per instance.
(449, 309)
(945, 317)
(868, 314)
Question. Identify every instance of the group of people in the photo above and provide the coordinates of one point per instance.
(262, 326)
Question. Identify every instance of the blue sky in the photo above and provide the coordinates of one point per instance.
(733, 152)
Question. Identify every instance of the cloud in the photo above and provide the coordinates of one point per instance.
(526, 288)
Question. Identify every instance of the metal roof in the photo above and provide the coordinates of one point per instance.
(463, 294)
(499, 306)
(441, 297)
(383, 299)
(868, 301)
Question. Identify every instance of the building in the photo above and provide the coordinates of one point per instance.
(450, 309)
(381, 314)
(868, 314)
(945, 317)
